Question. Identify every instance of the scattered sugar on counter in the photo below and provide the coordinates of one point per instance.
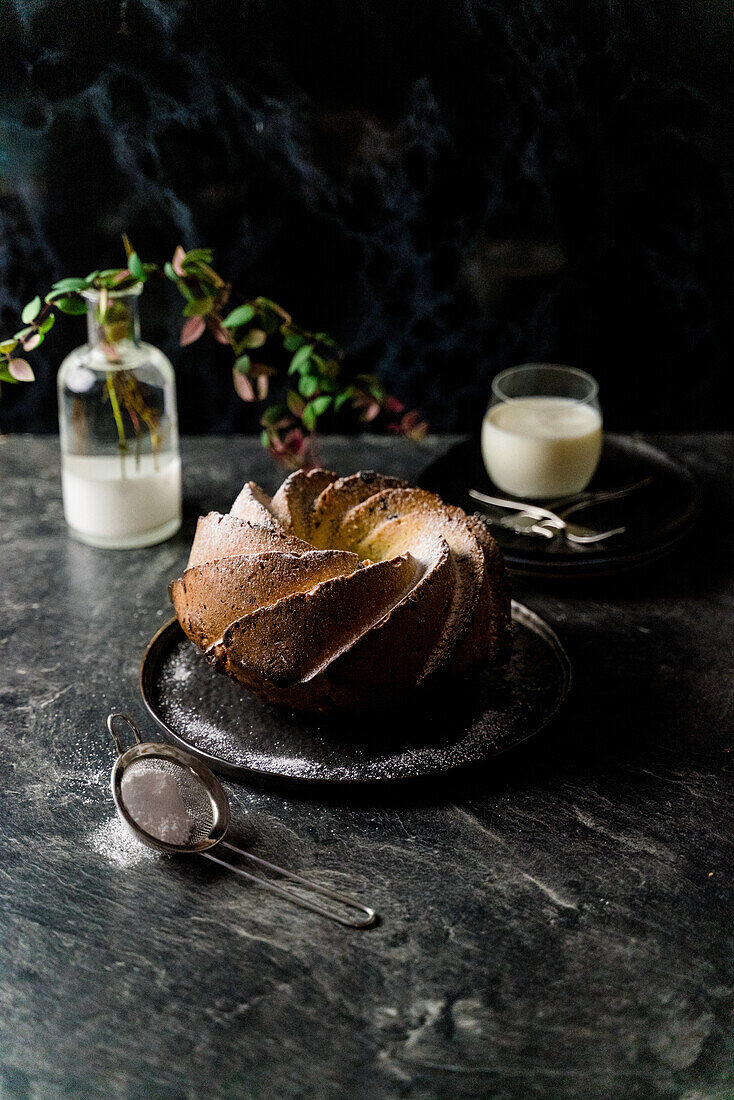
(153, 801)
(113, 840)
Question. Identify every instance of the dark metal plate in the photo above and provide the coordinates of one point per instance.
(455, 724)
(657, 517)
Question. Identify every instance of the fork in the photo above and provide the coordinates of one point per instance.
(573, 532)
(565, 506)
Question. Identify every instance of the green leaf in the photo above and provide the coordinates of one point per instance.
(309, 418)
(301, 357)
(71, 284)
(31, 311)
(254, 338)
(273, 414)
(185, 290)
(264, 439)
(373, 385)
(206, 290)
(242, 365)
(47, 324)
(324, 338)
(92, 276)
(269, 322)
(199, 255)
(135, 266)
(343, 397)
(5, 375)
(295, 403)
(239, 316)
(320, 405)
(7, 346)
(292, 342)
(22, 333)
(307, 385)
(195, 270)
(198, 307)
(170, 273)
(71, 305)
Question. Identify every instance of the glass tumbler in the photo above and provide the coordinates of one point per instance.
(542, 432)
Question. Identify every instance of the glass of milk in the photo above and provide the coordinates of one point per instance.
(542, 432)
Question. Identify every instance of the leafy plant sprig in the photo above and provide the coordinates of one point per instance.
(317, 384)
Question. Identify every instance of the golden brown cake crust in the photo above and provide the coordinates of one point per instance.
(343, 592)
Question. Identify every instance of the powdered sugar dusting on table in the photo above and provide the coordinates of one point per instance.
(114, 840)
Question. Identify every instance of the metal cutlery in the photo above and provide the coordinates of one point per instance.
(564, 506)
(546, 523)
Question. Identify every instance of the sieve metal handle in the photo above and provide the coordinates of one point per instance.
(369, 917)
(128, 722)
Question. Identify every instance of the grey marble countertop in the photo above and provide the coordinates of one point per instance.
(556, 924)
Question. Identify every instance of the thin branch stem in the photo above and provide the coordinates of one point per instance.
(117, 413)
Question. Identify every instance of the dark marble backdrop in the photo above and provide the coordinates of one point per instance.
(449, 186)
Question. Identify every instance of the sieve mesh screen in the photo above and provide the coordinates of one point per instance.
(193, 799)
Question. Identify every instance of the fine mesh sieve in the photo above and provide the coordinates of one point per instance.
(196, 800)
(200, 817)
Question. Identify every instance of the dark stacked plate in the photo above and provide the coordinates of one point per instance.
(452, 725)
(657, 517)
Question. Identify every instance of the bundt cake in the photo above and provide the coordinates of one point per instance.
(343, 591)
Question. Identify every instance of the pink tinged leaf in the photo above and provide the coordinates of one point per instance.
(121, 276)
(392, 405)
(243, 386)
(177, 263)
(412, 425)
(192, 330)
(291, 451)
(220, 334)
(21, 370)
(372, 411)
(294, 440)
(262, 382)
(31, 341)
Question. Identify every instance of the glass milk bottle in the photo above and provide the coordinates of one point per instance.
(120, 465)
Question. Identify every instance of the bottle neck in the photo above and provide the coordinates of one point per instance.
(112, 319)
